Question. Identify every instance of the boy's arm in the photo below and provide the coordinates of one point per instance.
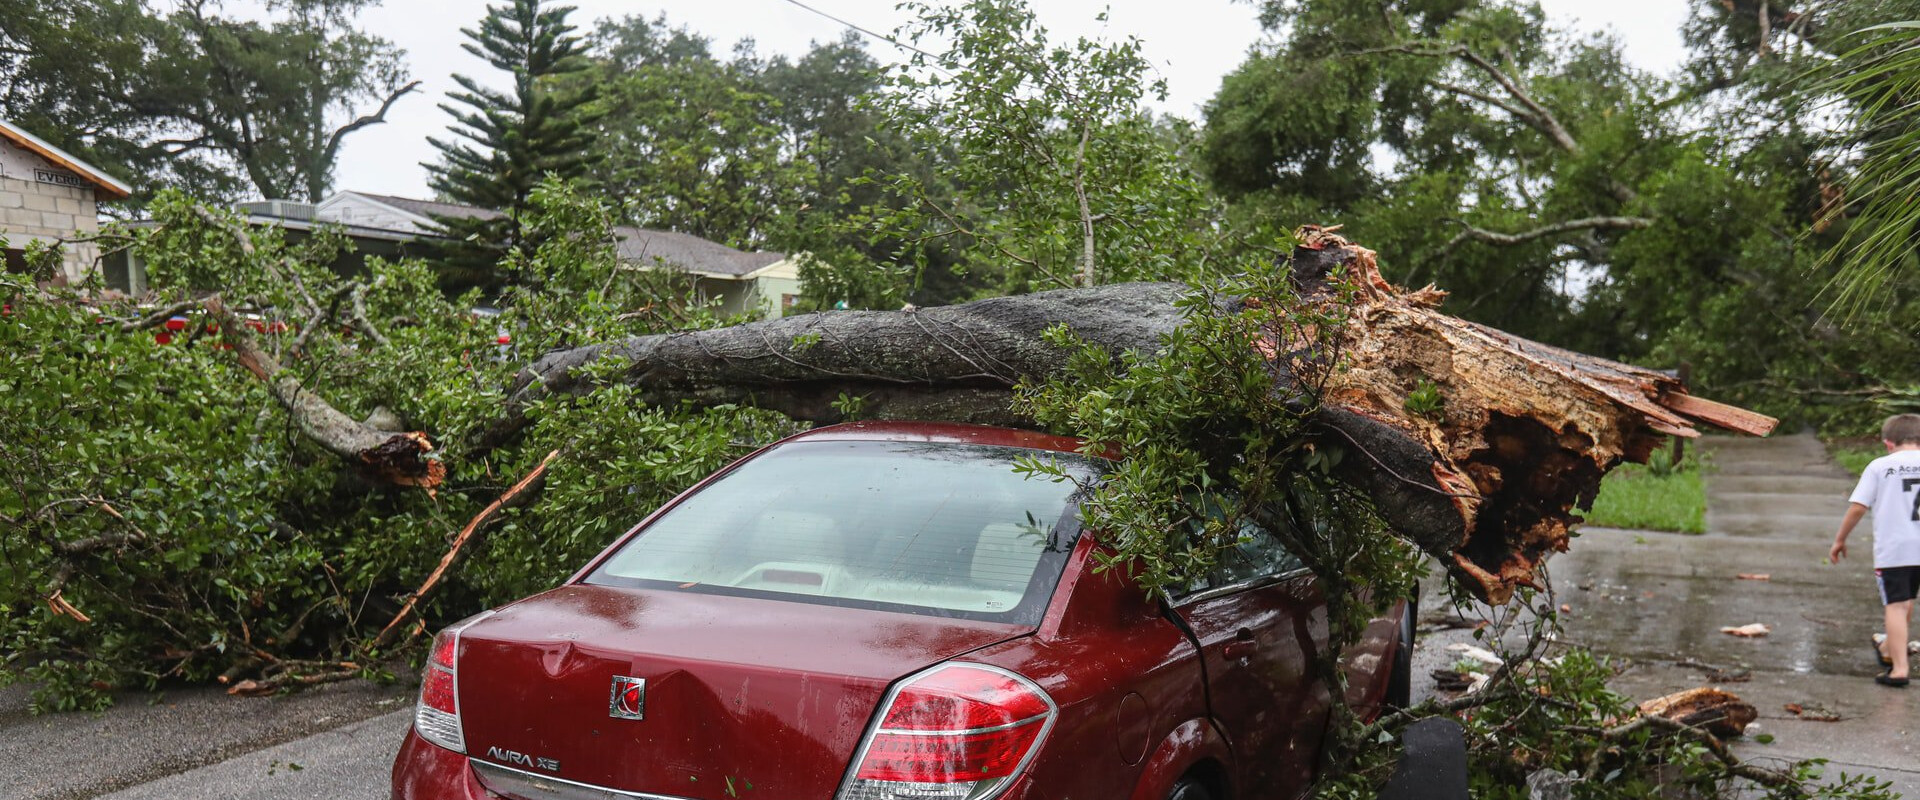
(1839, 550)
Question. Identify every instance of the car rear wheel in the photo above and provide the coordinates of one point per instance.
(1400, 684)
(1189, 789)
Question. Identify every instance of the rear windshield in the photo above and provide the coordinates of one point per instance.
(929, 528)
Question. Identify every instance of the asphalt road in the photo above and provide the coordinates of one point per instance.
(348, 762)
(335, 741)
(1655, 601)
(1655, 604)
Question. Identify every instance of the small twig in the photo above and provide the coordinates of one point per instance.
(253, 688)
(1517, 112)
(1732, 763)
(1432, 708)
(239, 668)
(133, 535)
(1087, 258)
(56, 602)
(159, 316)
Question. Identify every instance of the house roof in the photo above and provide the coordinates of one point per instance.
(103, 183)
(637, 245)
(432, 209)
(691, 253)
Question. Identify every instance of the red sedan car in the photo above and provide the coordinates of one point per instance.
(883, 612)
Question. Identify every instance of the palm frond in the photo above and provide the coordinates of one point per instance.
(1879, 82)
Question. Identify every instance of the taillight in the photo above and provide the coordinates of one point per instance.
(437, 716)
(955, 731)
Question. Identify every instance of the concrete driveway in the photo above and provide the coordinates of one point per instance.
(1660, 600)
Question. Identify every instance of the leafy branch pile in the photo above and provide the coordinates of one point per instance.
(1212, 440)
(167, 518)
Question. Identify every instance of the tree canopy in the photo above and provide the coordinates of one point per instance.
(190, 96)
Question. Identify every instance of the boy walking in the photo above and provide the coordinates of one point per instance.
(1890, 486)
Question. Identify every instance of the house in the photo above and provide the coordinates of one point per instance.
(47, 195)
(765, 284)
(127, 272)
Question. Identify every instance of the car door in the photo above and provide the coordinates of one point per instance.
(1261, 622)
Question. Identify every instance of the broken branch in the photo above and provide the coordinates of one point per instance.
(1505, 239)
(515, 495)
(159, 316)
(398, 458)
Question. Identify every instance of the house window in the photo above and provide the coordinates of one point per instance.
(16, 260)
(118, 270)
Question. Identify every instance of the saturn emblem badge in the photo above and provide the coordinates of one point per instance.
(629, 699)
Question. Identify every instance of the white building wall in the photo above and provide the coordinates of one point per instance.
(40, 201)
(348, 208)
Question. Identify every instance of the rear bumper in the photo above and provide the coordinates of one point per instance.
(427, 771)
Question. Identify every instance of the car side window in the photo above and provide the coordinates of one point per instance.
(1258, 554)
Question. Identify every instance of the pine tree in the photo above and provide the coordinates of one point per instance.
(512, 140)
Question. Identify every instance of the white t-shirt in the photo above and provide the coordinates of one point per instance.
(1891, 487)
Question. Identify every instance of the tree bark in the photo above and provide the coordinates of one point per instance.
(1489, 485)
(956, 363)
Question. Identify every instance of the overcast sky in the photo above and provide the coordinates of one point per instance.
(1192, 42)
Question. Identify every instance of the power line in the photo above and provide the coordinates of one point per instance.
(881, 36)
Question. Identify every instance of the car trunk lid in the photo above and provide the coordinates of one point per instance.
(743, 697)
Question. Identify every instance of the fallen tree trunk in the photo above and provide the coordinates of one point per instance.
(1489, 483)
(957, 363)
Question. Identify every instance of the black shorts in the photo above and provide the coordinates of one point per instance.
(1898, 584)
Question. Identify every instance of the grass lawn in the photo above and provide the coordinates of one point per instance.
(1632, 496)
(1854, 453)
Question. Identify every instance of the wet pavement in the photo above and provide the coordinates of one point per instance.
(200, 743)
(1657, 601)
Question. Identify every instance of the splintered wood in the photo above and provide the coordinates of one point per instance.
(1720, 712)
(1526, 430)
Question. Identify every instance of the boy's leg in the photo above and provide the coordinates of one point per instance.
(1897, 636)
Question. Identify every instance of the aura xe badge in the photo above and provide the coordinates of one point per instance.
(523, 759)
(629, 699)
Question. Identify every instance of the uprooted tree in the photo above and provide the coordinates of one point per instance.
(1489, 484)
